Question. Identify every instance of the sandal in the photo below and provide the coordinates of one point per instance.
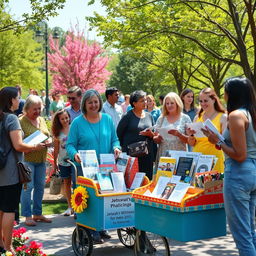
(30, 223)
(41, 218)
(68, 212)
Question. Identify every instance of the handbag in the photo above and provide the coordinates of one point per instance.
(138, 149)
(23, 170)
(55, 184)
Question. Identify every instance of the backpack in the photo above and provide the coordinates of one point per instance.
(3, 148)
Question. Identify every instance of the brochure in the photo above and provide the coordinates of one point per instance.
(163, 131)
(179, 192)
(205, 163)
(118, 181)
(185, 169)
(89, 162)
(107, 168)
(163, 173)
(35, 138)
(168, 190)
(121, 162)
(209, 124)
(138, 179)
(197, 126)
(160, 186)
(105, 181)
(107, 159)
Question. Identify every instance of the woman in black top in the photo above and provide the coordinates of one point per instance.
(131, 129)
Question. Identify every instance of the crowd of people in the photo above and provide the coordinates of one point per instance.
(86, 123)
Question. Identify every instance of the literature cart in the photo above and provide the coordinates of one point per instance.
(106, 211)
(200, 215)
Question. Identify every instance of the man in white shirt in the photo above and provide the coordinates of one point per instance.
(111, 107)
(74, 97)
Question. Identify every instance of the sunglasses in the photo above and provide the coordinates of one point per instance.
(71, 98)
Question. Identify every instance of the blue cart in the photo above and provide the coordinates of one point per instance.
(189, 220)
(112, 211)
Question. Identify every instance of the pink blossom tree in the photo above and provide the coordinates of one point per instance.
(77, 63)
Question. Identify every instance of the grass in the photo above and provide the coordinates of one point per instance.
(54, 208)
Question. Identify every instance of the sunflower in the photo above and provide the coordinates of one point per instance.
(78, 199)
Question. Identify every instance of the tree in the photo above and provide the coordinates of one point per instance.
(77, 63)
(40, 10)
(132, 73)
(204, 23)
(20, 60)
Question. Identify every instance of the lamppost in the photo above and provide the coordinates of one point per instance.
(44, 34)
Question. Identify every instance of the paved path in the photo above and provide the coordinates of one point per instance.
(56, 238)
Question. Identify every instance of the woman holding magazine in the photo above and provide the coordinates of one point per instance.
(31, 122)
(211, 108)
(175, 121)
(92, 130)
(239, 147)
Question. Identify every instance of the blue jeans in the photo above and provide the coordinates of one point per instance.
(37, 185)
(240, 201)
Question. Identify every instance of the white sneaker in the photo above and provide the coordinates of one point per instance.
(68, 212)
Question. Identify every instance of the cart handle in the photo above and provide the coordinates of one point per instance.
(67, 160)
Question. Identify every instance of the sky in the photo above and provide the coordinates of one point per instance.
(74, 10)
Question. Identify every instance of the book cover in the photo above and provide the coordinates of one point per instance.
(121, 162)
(89, 163)
(131, 170)
(167, 190)
(107, 159)
(35, 138)
(118, 182)
(205, 163)
(185, 169)
(138, 179)
(166, 164)
(105, 181)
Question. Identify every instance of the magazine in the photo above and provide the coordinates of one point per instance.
(160, 186)
(166, 164)
(107, 168)
(118, 181)
(179, 192)
(185, 169)
(35, 138)
(107, 159)
(167, 190)
(138, 179)
(89, 162)
(105, 181)
(121, 162)
(205, 163)
(163, 173)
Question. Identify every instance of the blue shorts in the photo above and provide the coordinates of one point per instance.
(65, 171)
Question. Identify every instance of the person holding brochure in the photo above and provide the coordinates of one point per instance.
(133, 128)
(92, 130)
(10, 188)
(60, 129)
(239, 147)
(175, 121)
(212, 109)
(30, 122)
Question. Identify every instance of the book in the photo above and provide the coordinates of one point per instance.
(89, 163)
(205, 163)
(160, 186)
(167, 190)
(118, 181)
(209, 124)
(166, 164)
(179, 192)
(35, 138)
(105, 181)
(121, 162)
(107, 159)
(138, 179)
(185, 169)
(107, 168)
(131, 170)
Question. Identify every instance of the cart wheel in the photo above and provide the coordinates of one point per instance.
(82, 241)
(127, 236)
(147, 243)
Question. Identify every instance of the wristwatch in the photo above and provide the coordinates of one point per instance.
(218, 144)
